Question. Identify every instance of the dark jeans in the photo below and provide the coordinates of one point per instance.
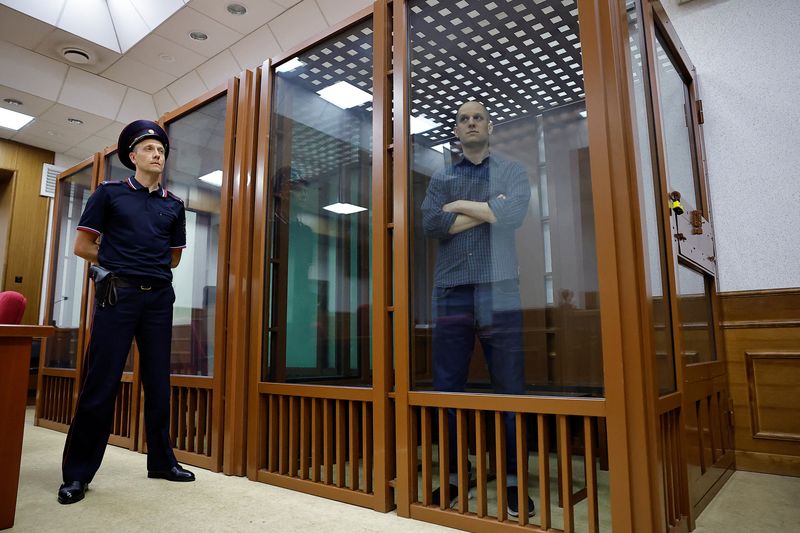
(147, 316)
(492, 312)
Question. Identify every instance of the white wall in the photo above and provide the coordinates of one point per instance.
(747, 55)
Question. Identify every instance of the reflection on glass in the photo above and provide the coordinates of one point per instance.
(694, 301)
(321, 173)
(197, 150)
(661, 324)
(675, 120)
(509, 302)
(115, 171)
(68, 278)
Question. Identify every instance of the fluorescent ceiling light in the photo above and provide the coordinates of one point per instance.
(342, 94)
(344, 209)
(421, 123)
(583, 114)
(290, 65)
(214, 178)
(12, 119)
(441, 147)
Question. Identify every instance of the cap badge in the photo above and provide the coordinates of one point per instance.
(151, 132)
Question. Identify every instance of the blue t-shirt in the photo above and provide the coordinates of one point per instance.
(139, 228)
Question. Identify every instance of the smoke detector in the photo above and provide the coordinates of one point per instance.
(76, 55)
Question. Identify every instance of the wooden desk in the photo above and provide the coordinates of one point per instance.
(15, 353)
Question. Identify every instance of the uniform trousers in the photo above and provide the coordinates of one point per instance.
(490, 311)
(145, 315)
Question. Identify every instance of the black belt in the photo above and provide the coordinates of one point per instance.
(142, 285)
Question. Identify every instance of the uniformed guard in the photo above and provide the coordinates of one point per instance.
(143, 230)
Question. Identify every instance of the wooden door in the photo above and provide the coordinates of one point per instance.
(694, 302)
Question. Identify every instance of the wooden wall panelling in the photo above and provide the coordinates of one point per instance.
(28, 227)
(761, 331)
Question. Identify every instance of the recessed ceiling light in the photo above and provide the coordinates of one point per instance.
(292, 64)
(76, 55)
(75, 121)
(214, 178)
(12, 119)
(166, 58)
(344, 95)
(236, 9)
(198, 36)
(12, 101)
(344, 209)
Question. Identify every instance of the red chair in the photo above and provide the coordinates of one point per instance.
(12, 307)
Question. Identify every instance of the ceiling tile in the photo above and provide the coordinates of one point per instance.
(258, 13)
(157, 51)
(31, 105)
(58, 115)
(298, 24)
(155, 12)
(187, 20)
(57, 40)
(22, 29)
(44, 10)
(62, 132)
(219, 69)
(94, 144)
(137, 105)
(91, 20)
(80, 153)
(111, 131)
(132, 28)
(87, 91)
(338, 10)
(48, 143)
(286, 3)
(30, 72)
(256, 47)
(164, 102)
(131, 72)
(187, 88)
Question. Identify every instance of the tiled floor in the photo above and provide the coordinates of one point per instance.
(121, 498)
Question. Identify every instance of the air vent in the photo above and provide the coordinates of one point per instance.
(49, 175)
(76, 55)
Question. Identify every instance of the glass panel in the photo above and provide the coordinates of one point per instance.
(194, 173)
(321, 173)
(68, 278)
(675, 121)
(694, 300)
(504, 269)
(660, 321)
(116, 171)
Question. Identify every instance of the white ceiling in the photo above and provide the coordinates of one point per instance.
(159, 73)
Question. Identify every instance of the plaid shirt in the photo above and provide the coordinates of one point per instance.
(487, 252)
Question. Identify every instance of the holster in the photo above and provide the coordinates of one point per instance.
(105, 287)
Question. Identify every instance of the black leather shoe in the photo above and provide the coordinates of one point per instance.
(72, 492)
(176, 473)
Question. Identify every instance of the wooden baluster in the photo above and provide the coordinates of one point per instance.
(427, 452)
(202, 416)
(191, 429)
(181, 419)
(522, 468)
(272, 436)
(500, 450)
(444, 460)
(328, 440)
(565, 460)
(341, 451)
(463, 463)
(544, 471)
(316, 438)
(589, 445)
(283, 435)
(480, 462)
(294, 435)
(366, 447)
(413, 458)
(355, 439)
(305, 436)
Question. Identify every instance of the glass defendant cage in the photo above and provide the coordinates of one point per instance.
(320, 295)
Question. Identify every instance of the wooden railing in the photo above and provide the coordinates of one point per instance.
(191, 419)
(55, 403)
(317, 439)
(558, 455)
(123, 409)
(672, 468)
